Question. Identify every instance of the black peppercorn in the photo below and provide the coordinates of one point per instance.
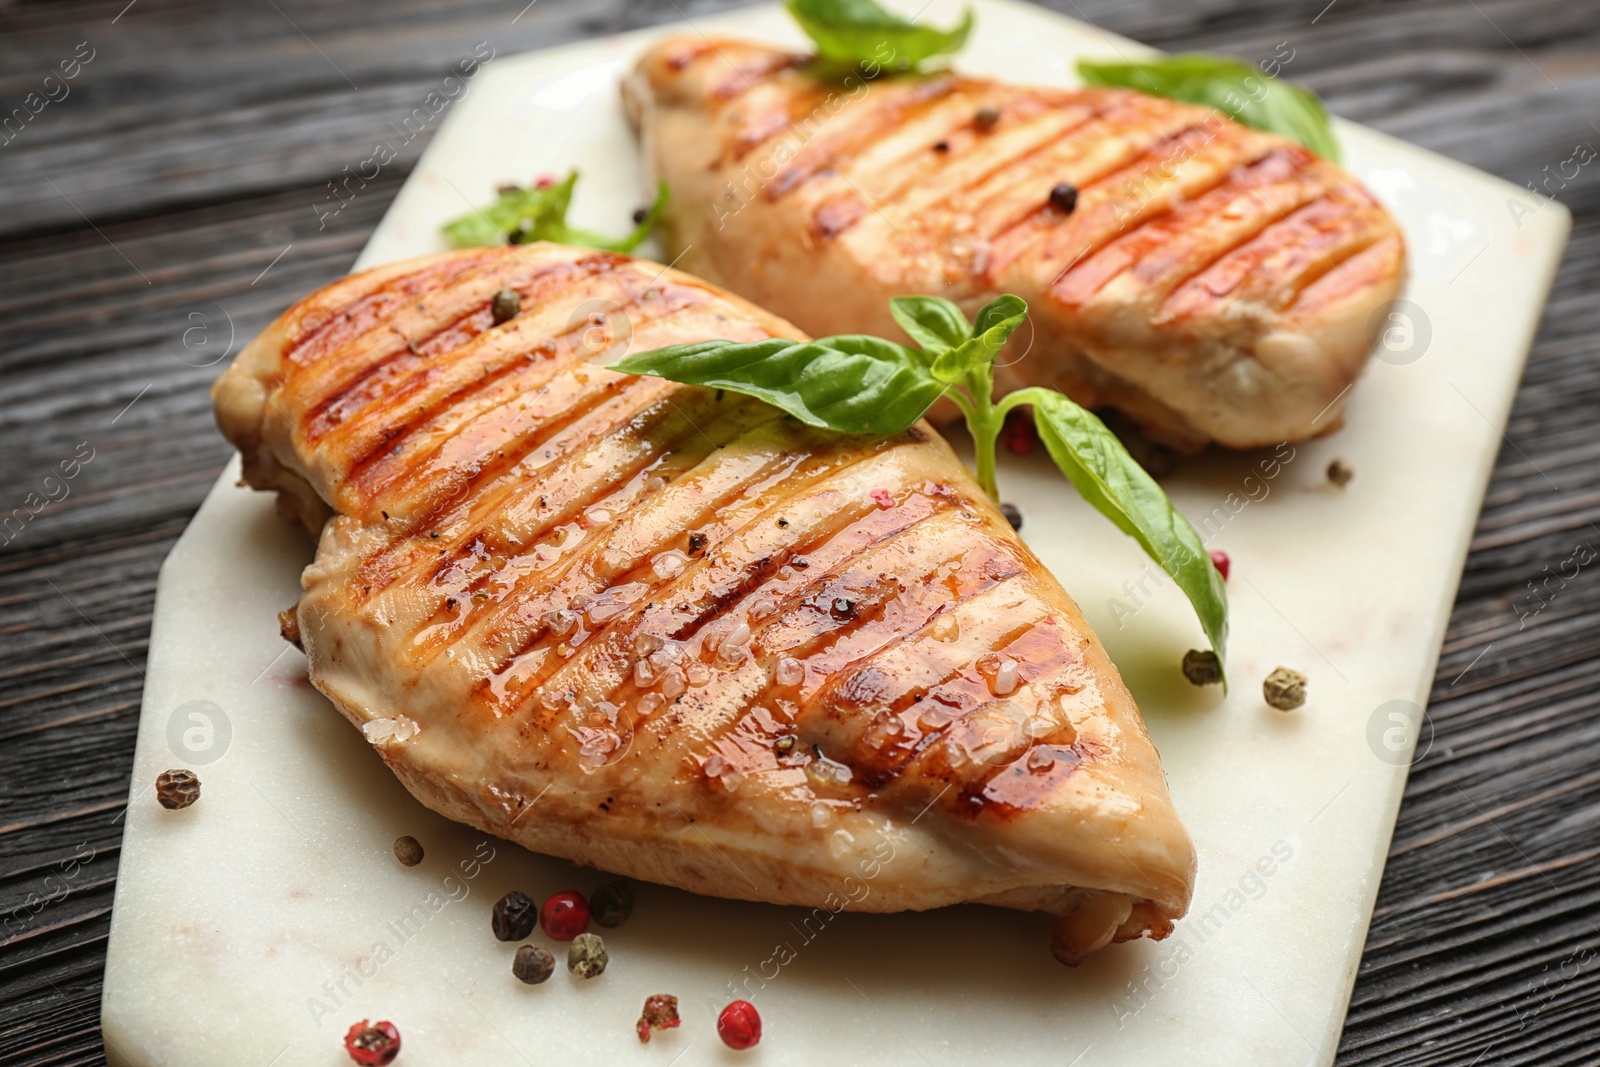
(514, 917)
(941, 147)
(1013, 515)
(640, 214)
(611, 904)
(533, 964)
(177, 789)
(1065, 197)
(1339, 473)
(505, 306)
(408, 850)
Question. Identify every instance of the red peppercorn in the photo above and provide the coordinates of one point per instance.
(739, 1025)
(375, 1044)
(1219, 560)
(565, 916)
(544, 181)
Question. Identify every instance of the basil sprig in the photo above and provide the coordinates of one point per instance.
(539, 213)
(1241, 90)
(861, 34)
(860, 384)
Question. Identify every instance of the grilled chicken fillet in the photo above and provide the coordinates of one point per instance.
(1214, 282)
(679, 635)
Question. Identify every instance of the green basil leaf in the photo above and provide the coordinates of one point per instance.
(540, 214)
(1108, 478)
(994, 326)
(1002, 313)
(852, 383)
(860, 33)
(933, 322)
(1241, 90)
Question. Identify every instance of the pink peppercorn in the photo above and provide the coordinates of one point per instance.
(374, 1045)
(739, 1025)
(1219, 560)
(883, 498)
(565, 916)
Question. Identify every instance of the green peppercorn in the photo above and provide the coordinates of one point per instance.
(587, 956)
(1202, 668)
(1284, 689)
(533, 964)
(611, 904)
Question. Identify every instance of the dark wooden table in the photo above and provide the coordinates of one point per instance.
(171, 190)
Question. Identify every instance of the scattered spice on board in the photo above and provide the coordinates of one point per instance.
(1285, 689)
(1013, 515)
(611, 904)
(565, 915)
(739, 1025)
(376, 1044)
(1202, 667)
(514, 917)
(1340, 473)
(533, 964)
(177, 789)
(408, 850)
(587, 956)
(660, 1013)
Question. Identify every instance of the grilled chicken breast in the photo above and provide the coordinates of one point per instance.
(1213, 282)
(677, 634)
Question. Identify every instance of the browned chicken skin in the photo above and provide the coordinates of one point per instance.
(677, 634)
(1212, 281)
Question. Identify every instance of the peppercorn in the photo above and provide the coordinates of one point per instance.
(505, 306)
(1202, 668)
(1285, 689)
(408, 850)
(514, 917)
(1220, 560)
(1065, 197)
(1013, 515)
(587, 956)
(986, 117)
(177, 789)
(739, 1025)
(842, 608)
(941, 147)
(1339, 473)
(565, 916)
(373, 1045)
(784, 744)
(533, 964)
(660, 1013)
(611, 904)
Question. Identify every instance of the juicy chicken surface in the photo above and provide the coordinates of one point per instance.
(1213, 282)
(679, 635)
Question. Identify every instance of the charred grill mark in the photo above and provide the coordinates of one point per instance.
(403, 372)
(494, 427)
(1270, 185)
(1370, 267)
(342, 324)
(826, 150)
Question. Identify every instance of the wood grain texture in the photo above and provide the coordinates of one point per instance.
(200, 136)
